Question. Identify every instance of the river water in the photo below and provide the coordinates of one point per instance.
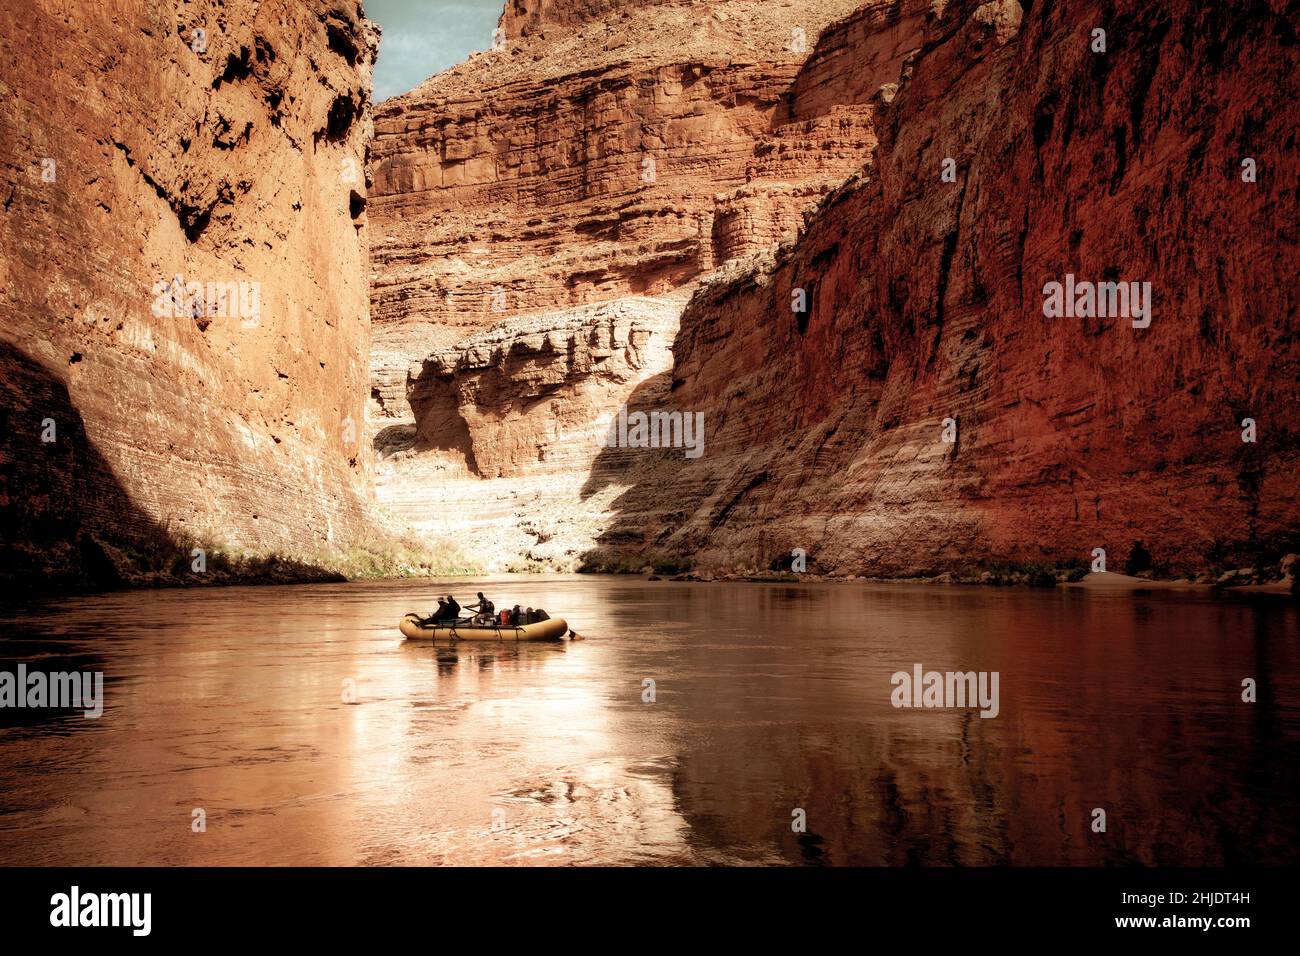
(767, 736)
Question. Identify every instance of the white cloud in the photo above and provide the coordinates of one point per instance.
(424, 37)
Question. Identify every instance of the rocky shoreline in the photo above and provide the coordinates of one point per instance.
(1280, 579)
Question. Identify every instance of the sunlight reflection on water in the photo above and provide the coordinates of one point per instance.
(768, 698)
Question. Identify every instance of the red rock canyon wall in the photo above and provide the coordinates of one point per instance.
(201, 143)
(586, 164)
(606, 152)
(925, 291)
(926, 303)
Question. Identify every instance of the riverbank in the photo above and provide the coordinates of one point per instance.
(1279, 579)
(169, 563)
(394, 559)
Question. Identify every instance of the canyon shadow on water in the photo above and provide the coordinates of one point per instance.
(771, 704)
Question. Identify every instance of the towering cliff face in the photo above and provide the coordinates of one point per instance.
(183, 314)
(584, 163)
(1016, 148)
(1166, 159)
(495, 436)
(605, 151)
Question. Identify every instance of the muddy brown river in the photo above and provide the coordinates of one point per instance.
(695, 724)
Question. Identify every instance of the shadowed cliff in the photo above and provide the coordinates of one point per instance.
(825, 428)
(151, 162)
(67, 523)
(888, 386)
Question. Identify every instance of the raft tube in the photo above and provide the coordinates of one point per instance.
(552, 629)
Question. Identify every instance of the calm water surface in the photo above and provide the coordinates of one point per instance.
(768, 699)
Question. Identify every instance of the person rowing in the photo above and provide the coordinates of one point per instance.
(483, 610)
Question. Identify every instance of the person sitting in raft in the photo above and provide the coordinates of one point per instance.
(483, 610)
(516, 616)
(449, 612)
(437, 615)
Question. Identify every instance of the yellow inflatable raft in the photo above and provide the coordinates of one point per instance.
(552, 629)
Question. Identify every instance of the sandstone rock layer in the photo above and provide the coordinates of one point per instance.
(975, 153)
(219, 148)
(926, 304)
(605, 149)
(490, 440)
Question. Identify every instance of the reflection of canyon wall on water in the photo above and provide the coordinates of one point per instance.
(925, 292)
(1077, 722)
(214, 142)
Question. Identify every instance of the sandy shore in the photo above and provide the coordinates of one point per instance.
(1112, 581)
